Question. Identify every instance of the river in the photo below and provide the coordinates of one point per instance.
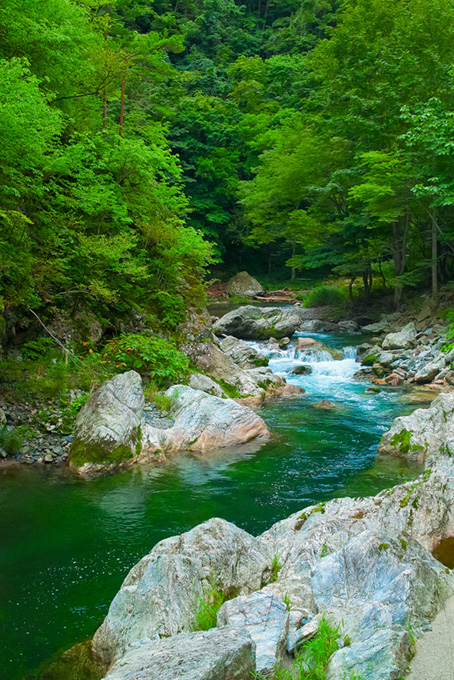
(67, 544)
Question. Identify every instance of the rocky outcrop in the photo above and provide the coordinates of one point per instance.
(108, 427)
(161, 593)
(243, 285)
(258, 323)
(227, 654)
(202, 423)
(199, 381)
(364, 564)
(112, 431)
(425, 435)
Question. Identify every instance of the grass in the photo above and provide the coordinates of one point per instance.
(160, 399)
(311, 662)
(208, 607)
(276, 566)
(12, 441)
(322, 296)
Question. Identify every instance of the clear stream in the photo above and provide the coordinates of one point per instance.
(67, 544)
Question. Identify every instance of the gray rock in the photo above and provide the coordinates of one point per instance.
(348, 326)
(266, 619)
(242, 354)
(424, 436)
(429, 371)
(202, 422)
(258, 323)
(243, 285)
(404, 339)
(107, 428)
(198, 381)
(302, 370)
(227, 654)
(2, 418)
(161, 593)
(378, 327)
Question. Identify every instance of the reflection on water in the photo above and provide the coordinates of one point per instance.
(67, 544)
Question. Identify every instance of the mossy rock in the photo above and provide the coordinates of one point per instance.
(75, 664)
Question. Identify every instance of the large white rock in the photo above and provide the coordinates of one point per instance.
(266, 619)
(199, 381)
(202, 423)
(404, 339)
(107, 428)
(258, 323)
(431, 369)
(425, 435)
(227, 654)
(161, 593)
(243, 285)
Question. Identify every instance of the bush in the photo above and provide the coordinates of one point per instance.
(325, 295)
(160, 359)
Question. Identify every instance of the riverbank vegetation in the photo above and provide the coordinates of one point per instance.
(148, 148)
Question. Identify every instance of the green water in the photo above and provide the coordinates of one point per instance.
(66, 544)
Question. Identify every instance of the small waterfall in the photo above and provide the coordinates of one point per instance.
(312, 356)
(350, 353)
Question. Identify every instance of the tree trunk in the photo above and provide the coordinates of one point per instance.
(104, 110)
(400, 234)
(350, 289)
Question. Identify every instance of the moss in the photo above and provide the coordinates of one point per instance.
(229, 389)
(81, 453)
(75, 664)
(383, 546)
(369, 360)
(401, 440)
(403, 543)
(261, 362)
(139, 441)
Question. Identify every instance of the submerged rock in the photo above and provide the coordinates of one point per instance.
(302, 370)
(258, 323)
(216, 654)
(243, 285)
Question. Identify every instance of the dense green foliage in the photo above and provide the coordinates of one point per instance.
(141, 140)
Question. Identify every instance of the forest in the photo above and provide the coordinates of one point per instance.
(148, 148)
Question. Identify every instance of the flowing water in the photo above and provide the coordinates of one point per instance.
(67, 544)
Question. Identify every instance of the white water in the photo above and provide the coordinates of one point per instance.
(330, 378)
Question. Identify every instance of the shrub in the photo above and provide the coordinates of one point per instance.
(158, 358)
(325, 295)
(12, 441)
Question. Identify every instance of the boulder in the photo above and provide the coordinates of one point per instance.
(258, 323)
(363, 374)
(195, 333)
(216, 654)
(234, 380)
(2, 418)
(425, 435)
(404, 339)
(430, 370)
(266, 619)
(108, 427)
(199, 381)
(202, 423)
(348, 326)
(302, 370)
(303, 343)
(243, 354)
(161, 593)
(243, 285)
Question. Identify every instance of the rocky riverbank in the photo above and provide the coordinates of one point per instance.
(365, 564)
